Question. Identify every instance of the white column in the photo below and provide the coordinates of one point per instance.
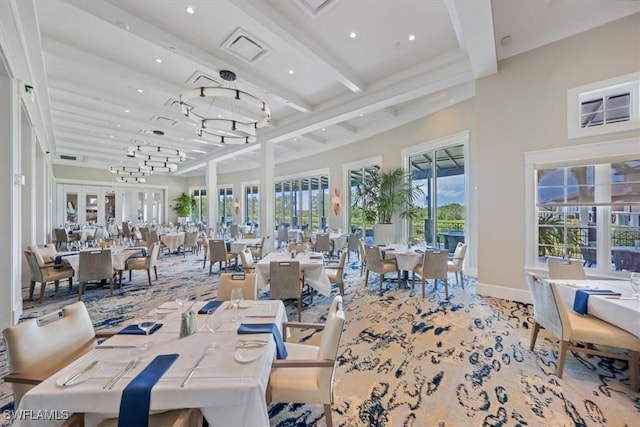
(41, 196)
(211, 182)
(28, 160)
(10, 192)
(267, 195)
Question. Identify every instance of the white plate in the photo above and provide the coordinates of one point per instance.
(82, 378)
(246, 355)
(245, 304)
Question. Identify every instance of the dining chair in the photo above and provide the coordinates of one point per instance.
(249, 236)
(248, 263)
(589, 255)
(323, 244)
(234, 230)
(95, 265)
(62, 236)
(218, 253)
(456, 262)
(378, 265)
(39, 347)
(248, 282)
(145, 263)
(353, 245)
(433, 266)
(43, 274)
(306, 375)
(190, 243)
(363, 256)
(286, 282)
(296, 247)
(45, 254)
(563, 269)
(550, 312)
(336, 274)
(283, 235)
(258, 251)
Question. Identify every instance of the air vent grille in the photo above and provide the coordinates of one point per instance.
(245, 46)
(67, 157)
(315, 7)
(164, 120)
(200, 79)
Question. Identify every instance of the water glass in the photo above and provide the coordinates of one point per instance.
(635, 284)
(236, 299)
(213, 324)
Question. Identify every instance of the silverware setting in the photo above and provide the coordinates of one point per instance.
(80, 373)
(132, 365)
(251, 345)
(101, 347)
(190, 374)
(249, 341)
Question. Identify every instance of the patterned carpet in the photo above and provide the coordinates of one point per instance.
(405, 361)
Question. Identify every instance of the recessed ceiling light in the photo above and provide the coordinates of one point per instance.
(290, 71)
(323, 129)
(140, 90)
(117, 125)
(295, 139)
(158, 60)
(412, 37)
(353, 35)
(190, 10)
(126, 111)
(199, 151)
(361, 115)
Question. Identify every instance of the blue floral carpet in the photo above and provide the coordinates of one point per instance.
(405, 361)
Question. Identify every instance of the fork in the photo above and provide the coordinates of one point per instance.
(132, 364)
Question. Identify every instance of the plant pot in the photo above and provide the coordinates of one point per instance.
(382, 233)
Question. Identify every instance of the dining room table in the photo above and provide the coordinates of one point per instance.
(620, 310)
(311, 265)
(119, 257)
(172, 241)
(227, 383)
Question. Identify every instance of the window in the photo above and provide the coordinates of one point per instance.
(200, 213)
(356, 211)
(604, 107)
(302, 202)
(225, 206)
(252, 205)
(590, 210)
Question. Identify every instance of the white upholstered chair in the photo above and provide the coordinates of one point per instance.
(248, 263)
(306, 376)
(248, 282)
(377, 264)
(335, 273)
(550, 312)
(456, 262)
(433, 266)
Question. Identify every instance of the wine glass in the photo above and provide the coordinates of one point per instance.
(213, 324)
(236, 299)
(635, 285)
(182, 297)
(146, 323)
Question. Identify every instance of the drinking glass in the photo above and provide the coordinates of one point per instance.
(635, 285)
(213, 324)
(236, 299)
(182, 297)
(146, 323)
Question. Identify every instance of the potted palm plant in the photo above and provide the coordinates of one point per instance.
(381, 195)
(183, 205)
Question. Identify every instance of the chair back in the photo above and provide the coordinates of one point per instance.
(248, 282)
(234, 230)
(99, 234)
(374, 259)
(246, 257)
(259, 249)
(323, 243)
(152, 237)
(152, 256)
(626, 260)
(126, 230)
(34, 267)
(459, 254)
(95, 265)
(363, 251)
(35, 345)
(560, 269)
(144, 232)
(61, 235)
(546, 311)
(435, 264)
(283, 234)
(329, 344)
(299, 248)
(190, 239)
(285, 279)
(352, 242)
(44, 253)
(217, 250)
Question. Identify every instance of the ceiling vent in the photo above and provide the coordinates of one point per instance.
(314, 8)
(200, 79)
(66, 157)
(164, 121)
(174, 104)
(245, 46)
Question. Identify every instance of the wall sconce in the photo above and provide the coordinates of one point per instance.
(236, 206)
(336, 201)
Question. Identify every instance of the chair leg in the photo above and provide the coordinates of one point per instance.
(129, 275)
(534, 335)
(564, 345)
(462, 280)
(300, 308)
(634, 361)
(80, 290)
(149, 276)
(327, 414)
(423, 286)
(366, 279)
(381, 280)
(446, 288)
(155, 270)
(32, 286)
(42, 285)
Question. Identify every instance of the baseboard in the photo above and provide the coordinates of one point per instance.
(511, 294)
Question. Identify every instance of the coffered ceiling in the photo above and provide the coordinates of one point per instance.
(332, 72)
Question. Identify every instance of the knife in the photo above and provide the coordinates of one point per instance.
(192, 370)
(80, 373)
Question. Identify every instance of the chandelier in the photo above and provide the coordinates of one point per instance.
(232, 116)
(132, 174)
(155, 158)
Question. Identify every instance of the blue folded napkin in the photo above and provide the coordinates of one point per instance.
(135, 330)
(420, 251)
(143, 251)
(211, 305)
(58, 259)
(266, 328)
(136, 397)
(581, 298)
(316, 257)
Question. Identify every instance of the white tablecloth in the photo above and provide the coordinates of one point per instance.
(407, 258)
(119, 257)
(314, 272)
(172, 240)
(228, 392)
(624, 313)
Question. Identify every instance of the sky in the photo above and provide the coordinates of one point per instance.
(450, 190)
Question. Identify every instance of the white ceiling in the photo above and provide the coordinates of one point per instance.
(97, 54)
